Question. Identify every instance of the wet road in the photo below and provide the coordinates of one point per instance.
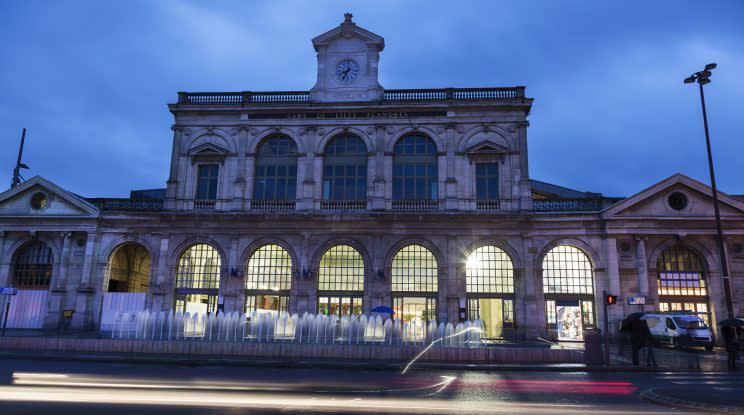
(61, 387)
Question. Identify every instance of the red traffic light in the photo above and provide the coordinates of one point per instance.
(610, 299)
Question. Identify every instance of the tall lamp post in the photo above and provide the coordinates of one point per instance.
(702, 78)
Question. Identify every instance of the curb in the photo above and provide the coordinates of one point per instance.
(375, 365)
(651, 396)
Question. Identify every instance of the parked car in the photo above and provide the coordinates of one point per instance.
(679, 329)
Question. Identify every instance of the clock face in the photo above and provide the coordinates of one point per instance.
(347, 71)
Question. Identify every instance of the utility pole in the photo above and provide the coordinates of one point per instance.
(17, 171)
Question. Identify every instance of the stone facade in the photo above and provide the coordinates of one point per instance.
(622, 238)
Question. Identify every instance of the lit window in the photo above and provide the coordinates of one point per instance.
(32, 267)
(341, 269)
(269, 268)
(415, 269)
(207, 184)
(345, 169)
(415, 169)
(199, 268)
(275, 177)
(681, 273)
(489, 270)
(567, 270)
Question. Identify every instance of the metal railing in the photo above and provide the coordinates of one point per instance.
(390, 95)
(567, 205)
(121, 204)
(273, 205)
(415, 205)
(343, 205)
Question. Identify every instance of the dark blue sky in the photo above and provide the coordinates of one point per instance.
(90, 80)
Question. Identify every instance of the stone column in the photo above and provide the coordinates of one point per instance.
(641, 265)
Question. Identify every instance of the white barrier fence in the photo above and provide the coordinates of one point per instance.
(285, 328)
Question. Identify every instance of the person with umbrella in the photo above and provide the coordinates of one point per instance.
(629, 335)
(730, 327)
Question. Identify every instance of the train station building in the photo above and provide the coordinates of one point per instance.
(349, 196)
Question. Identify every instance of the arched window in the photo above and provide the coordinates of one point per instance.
(489, 270)
(489, 280)
(415, 275)
(682, 282)
(32, 267)
(415, 169)
(268, 279)
(340, 281)
(568, 285)
(198, 279)
(129, 269)
(275, 178)
(345, 169)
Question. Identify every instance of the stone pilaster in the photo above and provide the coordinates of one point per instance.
(641, 265)
(172, 183)
(64, 262)
(4, 263)
(238, 187)
(613, 282)
(378, 184)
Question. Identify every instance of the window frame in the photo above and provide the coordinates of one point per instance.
(266, 162)
(213, 180)
(334, 160)
(407, 179)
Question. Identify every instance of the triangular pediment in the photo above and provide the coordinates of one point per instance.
(487, 147)
(40, 197)
(663, 200)
(208, 149)
(349, 29)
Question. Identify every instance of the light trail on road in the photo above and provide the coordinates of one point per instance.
(290, 402)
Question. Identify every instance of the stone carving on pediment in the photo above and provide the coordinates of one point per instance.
(187, 131)
(370, 130)
(234, 131)
(390, 130)
(511, 128)
(440, 130)
(459, 129)
(302, 131)
(254, 131)
(321, 131)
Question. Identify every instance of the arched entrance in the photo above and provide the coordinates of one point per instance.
(31, 274)
(125, 283)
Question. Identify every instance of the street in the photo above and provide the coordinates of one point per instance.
(66, 386)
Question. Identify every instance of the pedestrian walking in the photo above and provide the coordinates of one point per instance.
(732, 345)
(636, 338)
(648, 341)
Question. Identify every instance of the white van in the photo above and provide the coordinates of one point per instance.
(679, 329)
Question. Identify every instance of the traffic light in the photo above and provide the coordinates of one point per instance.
(610, 299)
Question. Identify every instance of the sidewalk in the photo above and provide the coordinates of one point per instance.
(697, 398)
(669, 358)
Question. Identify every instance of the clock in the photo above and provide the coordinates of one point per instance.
(347, 71)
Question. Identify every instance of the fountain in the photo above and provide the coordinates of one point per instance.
(271, 327)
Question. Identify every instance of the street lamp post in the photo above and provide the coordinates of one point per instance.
(702, 78)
